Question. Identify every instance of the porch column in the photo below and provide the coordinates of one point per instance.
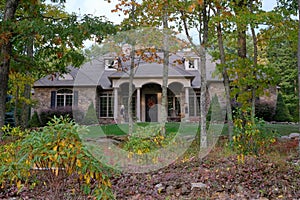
(116, 107)
(186, 104)
(138, 104)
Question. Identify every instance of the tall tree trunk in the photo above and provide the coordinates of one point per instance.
(241, 30)
(9, 14)
(25, 115)
(131, 77)
(165, 72)
(298, 55)
(255, 52)
(225, 80)
(203, 103)
(203, 89)
(16, 114)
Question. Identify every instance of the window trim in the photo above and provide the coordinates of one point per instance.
(196, 62)
(106, 95)
(64, 94)
(107, 63)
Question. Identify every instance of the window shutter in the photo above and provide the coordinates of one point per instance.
(75, 95)
(53, 99)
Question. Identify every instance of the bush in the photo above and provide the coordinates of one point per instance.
(214, 113)
(34, 121)
(282, 113)
(265, 111)
(90, 116)
(248, 139)
(57, 149)
(47, 114)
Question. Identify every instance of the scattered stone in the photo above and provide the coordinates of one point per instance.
(284, 137)
(159, 187)
(170, 189)
(294, 135)
(185, 190)
(198, 185)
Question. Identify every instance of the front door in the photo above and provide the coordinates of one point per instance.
(151, 108)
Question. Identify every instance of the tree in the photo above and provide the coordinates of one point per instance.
(90, 116)
(56, 37)
(281, 113)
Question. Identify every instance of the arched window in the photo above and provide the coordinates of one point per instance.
(64, 97)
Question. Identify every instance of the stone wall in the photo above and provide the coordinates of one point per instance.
(86, 95)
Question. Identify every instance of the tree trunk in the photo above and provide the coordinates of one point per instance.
(254, 74)
(131, 76)
(225, 81)
(298, 55)
(203, 105)
(9, 13)
(165, 73)
(203, 89)
(254, 38)
(25, 115)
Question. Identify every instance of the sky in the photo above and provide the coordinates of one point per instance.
(103, 8)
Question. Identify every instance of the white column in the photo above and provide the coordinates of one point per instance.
(116, 107)
(186, 104)
(138, 104)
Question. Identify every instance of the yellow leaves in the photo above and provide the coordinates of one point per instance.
(241, 158)
(78, 163)
(139, 152)
(19, 184)
(56, 171)
(55, 148)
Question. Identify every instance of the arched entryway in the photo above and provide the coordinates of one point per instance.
(151, 101)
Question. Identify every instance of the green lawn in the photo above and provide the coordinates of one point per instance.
(185, 128)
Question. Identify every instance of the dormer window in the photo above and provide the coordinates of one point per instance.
(191, 63)
(65, 77)
(112, 63)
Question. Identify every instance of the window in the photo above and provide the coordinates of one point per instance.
(173, 106)
(106, 105)
(194, 104)
(112, 63)
(133, 104)
(191, 63)
(64, 97)
(64, 77)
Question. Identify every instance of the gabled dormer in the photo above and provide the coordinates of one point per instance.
(112, 63)
(191, 63)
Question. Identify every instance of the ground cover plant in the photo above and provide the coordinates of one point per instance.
(51, 162)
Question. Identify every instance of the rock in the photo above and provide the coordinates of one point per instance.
(170, 189)
(159, 187)
(294, 135)
(198, 185)
(185, 190)
(284, 137)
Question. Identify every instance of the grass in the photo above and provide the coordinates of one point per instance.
(188, 128)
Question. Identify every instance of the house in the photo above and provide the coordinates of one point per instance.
(104, 81)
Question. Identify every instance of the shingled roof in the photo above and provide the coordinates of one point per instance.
(93, 73)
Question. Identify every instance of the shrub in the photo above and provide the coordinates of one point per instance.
(144, 142)
(282, 113)
(57, 149)
(248, 139)
(47, 114)
(214, 113)
(90, 116)
(265, 111)
(34, 121)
